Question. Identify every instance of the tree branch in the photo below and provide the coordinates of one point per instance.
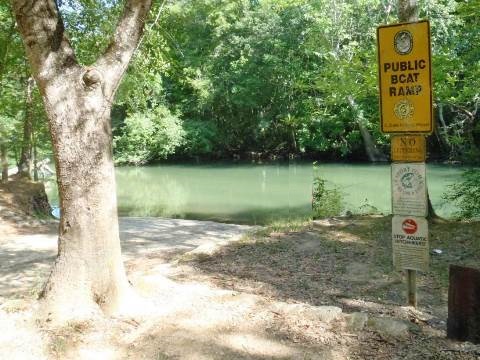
(43, 33)
(128, 32)
(152, 25)
(3, 60)
(463, 110)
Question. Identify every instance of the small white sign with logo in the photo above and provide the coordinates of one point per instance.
(409, 190)
(410, 243)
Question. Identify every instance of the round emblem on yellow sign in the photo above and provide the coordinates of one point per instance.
(403, 42)
(404, 109)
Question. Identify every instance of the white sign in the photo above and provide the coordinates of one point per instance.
(409, 190)
(410, 243)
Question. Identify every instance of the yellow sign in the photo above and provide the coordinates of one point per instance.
(405, 77)
(408, 148)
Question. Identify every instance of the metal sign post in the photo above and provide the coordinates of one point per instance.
(405, 78)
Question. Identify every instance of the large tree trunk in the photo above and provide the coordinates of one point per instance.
(25, 163)
(408, 12)
(88, 273)
(88, 267)
(4, 162)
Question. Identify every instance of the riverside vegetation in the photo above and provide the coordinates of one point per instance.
(221, 79)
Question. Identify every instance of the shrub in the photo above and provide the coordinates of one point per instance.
(199, 137)
(326, 201)
(466, 195)
(148, 136)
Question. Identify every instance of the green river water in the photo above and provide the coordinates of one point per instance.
(258, 194)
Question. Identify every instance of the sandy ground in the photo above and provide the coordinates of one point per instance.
(180, 320)
(25, 259)
(321, 292)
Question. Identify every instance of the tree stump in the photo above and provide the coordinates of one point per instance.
(464, 304)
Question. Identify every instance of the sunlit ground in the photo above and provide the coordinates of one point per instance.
(268, 296)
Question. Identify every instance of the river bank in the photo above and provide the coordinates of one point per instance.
(24, 208)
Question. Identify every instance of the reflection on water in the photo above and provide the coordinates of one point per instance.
(228, 193)
(143, 193)
(257, 194)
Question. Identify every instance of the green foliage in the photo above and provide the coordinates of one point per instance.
(367, 208)
(14, 74)
(326, 202)
(200, 138)
(466, 195)
(281, 76)
(270, 76)
(89, 25)
(148, 136)
(456, 65)
(10, 87)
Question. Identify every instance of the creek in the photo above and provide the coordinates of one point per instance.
(259, 193)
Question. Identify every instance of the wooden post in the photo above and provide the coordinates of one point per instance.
(412, 288)
(408, 12)
(463, 304)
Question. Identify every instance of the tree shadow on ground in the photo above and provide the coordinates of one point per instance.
(345, 263)
(316, 266)
(22, 272)
(228, 345)
(163, 339)
(25, 261)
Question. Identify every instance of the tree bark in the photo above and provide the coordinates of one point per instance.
(35, 159)
(25, 163)
(374, 155)
(3, 159)
(444, 129)
(88, 273)
(432, 214)
(407, 10)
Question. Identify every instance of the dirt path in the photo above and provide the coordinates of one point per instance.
(323, 292)
(25, 259)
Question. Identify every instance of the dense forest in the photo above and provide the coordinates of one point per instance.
(229, 79)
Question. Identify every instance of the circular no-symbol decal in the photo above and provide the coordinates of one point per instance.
(409, 226)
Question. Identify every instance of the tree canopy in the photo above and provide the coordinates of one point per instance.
(293, 76)
(215, 78)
